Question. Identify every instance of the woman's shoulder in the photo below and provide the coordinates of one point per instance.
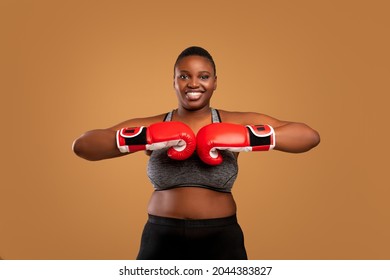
(141, 121)
(240, 117)
(245, 118)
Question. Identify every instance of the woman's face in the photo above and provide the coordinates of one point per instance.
(194, 82)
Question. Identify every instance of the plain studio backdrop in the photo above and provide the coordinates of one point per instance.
(71, 66)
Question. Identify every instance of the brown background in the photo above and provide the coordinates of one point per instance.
(71, 66)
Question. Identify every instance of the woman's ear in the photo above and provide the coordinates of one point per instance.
(215, 82)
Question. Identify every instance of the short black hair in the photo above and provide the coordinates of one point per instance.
(194, 50)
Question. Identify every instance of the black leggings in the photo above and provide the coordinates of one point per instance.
(176, 239)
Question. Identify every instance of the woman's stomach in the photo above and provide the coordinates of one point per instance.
(191, 203)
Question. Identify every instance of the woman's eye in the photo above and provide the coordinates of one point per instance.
(204, 77)
(183, 77)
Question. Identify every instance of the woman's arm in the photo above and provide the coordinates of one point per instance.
(101, 144)
(97, 144)
(295, 137)
(292, 137)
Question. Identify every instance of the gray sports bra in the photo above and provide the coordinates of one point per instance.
(166, 173)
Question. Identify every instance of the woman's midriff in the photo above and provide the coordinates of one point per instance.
(191, 203)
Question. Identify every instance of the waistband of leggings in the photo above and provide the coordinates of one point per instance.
(192, 222)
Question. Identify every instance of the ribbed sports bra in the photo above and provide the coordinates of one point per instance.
(166, 173)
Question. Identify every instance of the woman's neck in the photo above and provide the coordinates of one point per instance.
(195, 119)
(184, 113)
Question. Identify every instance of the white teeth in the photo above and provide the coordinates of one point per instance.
(194, 95)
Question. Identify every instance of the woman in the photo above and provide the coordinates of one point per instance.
(193, 163)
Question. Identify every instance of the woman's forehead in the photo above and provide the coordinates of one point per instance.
(194, 63)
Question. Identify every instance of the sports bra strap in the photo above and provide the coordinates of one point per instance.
(168, 117)
(215, 117)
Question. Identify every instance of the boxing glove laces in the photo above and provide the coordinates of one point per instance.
(232, 137)
(176, 135)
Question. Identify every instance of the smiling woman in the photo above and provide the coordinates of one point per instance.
(195, 79)
(193, 163)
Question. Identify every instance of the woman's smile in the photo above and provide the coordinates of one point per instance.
(193, 95)
(194, 82)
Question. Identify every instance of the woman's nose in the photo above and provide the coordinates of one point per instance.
(193, 83)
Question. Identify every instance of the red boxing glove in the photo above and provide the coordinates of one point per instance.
(176, 135)
(232, 137)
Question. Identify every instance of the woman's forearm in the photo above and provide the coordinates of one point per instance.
(296, 138)
(97, 144)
